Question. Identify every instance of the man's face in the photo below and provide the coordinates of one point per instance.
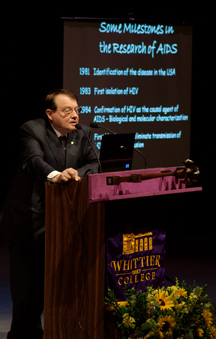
(63, 123)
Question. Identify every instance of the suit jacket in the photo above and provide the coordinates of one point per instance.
(22, 219)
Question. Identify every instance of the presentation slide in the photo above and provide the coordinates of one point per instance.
(133, 76)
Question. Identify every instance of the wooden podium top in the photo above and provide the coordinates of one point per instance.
(100, 191)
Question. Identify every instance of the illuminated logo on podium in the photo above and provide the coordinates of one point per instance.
(137, 243)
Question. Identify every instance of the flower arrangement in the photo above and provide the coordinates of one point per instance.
(173, 312)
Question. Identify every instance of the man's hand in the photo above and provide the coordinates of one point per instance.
(67, 175)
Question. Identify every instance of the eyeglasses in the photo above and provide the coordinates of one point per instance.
(68, 111)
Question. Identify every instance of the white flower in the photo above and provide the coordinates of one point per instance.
(128, 321)
(193, 296)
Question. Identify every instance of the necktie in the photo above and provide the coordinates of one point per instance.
(63, 141)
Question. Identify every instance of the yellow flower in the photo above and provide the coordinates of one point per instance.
(207, 315)
(122, 303)
(200, 332)
(166, 325)
(213, 332)
(164, 300)
(180, 293)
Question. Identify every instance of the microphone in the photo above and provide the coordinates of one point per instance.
(78, 126)
(94, 125)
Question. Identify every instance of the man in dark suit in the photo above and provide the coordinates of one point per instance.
(22, 221)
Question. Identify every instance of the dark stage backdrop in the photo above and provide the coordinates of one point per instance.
(32, 61)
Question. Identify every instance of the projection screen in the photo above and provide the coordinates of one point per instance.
(132, 76)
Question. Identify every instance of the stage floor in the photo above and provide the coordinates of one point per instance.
(5, 298)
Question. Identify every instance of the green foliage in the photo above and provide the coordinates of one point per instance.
(175, 312)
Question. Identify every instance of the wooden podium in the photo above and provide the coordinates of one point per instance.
(75, 248)
(74, 263)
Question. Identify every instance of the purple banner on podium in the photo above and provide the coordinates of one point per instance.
(137, 260)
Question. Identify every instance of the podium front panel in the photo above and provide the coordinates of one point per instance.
(74, 263)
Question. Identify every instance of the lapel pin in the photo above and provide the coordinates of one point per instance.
(72, 142)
